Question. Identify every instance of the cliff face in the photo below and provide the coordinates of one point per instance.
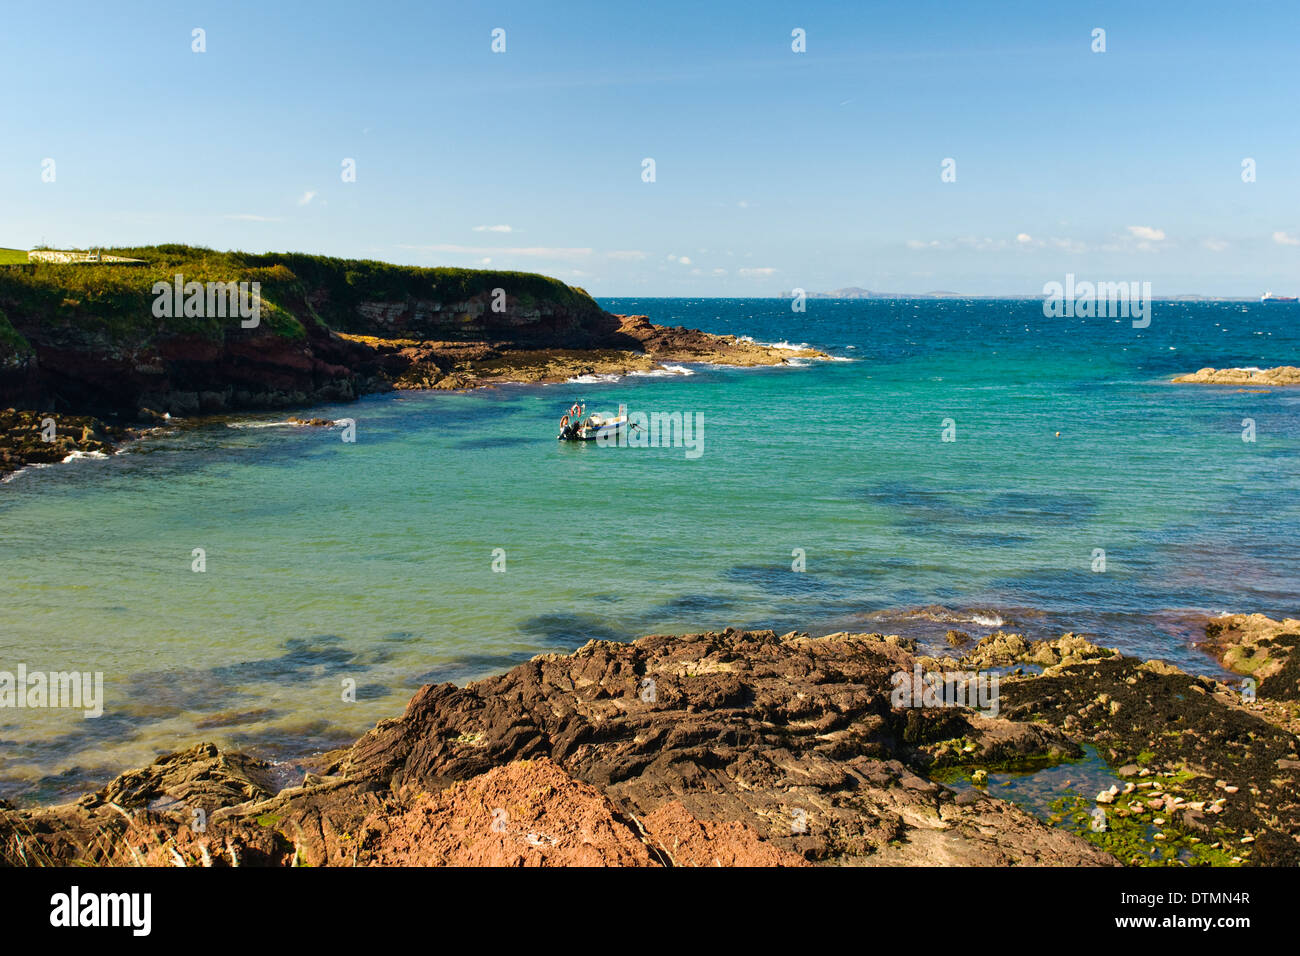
(85, 338)
(447, 305)
(185, 374)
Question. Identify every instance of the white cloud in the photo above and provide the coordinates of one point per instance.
(307, 197)
(626, 255)
(1147, 232)
(1069, 245)
(684, 260)
(485, 261)
(1215, 245)
(964, 242)
(1023, 240)
(764, 271)
(541, 252)
(981, 242)
(501, 228)
(1284, 239)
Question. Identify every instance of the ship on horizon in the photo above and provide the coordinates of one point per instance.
(1270, 297)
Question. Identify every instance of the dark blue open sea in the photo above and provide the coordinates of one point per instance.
(372, 561)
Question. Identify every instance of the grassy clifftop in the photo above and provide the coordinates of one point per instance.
(83, 336)
(116, 300)
(346, 283)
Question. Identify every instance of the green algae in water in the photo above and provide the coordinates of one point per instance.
(1035, 785)
(1132, 840)
(1063, 794)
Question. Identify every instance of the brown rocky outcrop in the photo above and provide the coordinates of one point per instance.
(1258, 646)
(734, 747)
(23, 437)
(628, 343)
(1281, 375)
(729, 748)
(1264, 652)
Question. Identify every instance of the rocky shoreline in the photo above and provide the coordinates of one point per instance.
(646, 348)
(1281, 375)
(395, 364)
(746, 748)
(23, 438)
(88, 346)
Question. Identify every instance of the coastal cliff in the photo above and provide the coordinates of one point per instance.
(86, 339)
(734, 748)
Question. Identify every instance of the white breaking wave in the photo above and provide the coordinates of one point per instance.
(258, 424)
(783, 345)
(37, 465)
(84, 454)
(593, 379)
(663, 372)
(23, 470)
(982, 618)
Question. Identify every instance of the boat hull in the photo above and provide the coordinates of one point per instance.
(610, 432)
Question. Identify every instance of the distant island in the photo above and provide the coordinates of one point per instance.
(857, 292)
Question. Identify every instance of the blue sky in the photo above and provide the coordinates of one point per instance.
(774, 170)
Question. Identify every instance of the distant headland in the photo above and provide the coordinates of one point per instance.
(117, 337)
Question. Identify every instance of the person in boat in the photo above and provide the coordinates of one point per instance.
(572, 422)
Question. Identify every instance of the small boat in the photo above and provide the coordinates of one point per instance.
(577, 425)
(1268, 297)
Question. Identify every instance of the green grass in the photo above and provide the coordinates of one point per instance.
(11, 340)
(115, 301)
(10, 257)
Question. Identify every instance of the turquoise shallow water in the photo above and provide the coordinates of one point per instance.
(373, 561)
